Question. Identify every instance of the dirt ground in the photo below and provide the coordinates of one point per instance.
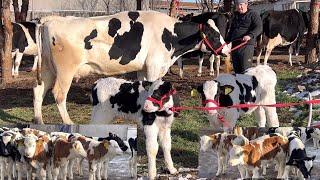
(208, 165)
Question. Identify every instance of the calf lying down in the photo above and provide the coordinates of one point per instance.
(256, 86)
(148, 103)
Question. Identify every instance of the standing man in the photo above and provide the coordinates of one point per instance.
(246, 25)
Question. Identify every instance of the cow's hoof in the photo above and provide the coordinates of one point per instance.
(199, 74)
(173, 171)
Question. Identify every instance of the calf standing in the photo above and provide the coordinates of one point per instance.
(256, 86)
(260, 151)
(147, 103)
(63, 151)
(221, 143)
(297, 157)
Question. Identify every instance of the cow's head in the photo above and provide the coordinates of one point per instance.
(212, 41)
(305, 165)
(30, 144)
(211, 91)
(120, 142)
(5, 142)
(159, 96)
(78, 149)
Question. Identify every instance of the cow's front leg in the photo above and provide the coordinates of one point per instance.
(211, 61)
(200, 66)
(35, 62)
(255, 172)
(43, 174)
(17, 62)
(165, 141)
(92, 170)
(152, 146)
(219, 165)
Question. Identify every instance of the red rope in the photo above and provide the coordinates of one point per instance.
(238, 106)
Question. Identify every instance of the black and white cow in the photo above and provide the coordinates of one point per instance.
(297, 157)
(256, 86)
(148, 103)
(281, 28)
(24, 42)
(147, 42)
(222, 21)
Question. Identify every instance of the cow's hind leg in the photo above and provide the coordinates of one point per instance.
(152, 146)
(60, 91)
(180, 65)
(165, 141)
(35, 62)
(260, 116)
(17, 62)
(200, 66)
(39, 93)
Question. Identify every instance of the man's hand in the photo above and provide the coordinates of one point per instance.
(246, 38)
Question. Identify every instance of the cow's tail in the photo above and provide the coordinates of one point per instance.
(39, 29)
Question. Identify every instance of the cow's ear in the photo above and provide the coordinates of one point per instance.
(226, 89)
(76, 146)
(106, 144)
(146, 85)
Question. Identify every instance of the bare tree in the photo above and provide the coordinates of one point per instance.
(6, 43)
(311, 55)
(20, 16)
(107, 5)
(89, 5)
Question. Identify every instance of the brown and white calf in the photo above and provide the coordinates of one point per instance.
(63, 151)
(37, 153)
(259, 152)
(221, 143)
(97, 153)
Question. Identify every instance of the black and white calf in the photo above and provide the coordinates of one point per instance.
(256, 86)
(149, 103)
(24, 42)
(297, 157)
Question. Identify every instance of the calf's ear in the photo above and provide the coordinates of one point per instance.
(226, 89)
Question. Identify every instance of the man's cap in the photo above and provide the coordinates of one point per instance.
(240, 1)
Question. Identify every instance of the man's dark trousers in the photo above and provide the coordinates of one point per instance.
(242, 58)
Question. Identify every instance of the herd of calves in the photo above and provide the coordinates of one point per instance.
(252, 149)
(52, 155)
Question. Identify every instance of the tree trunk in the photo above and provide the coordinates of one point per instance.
(145, 5)
(311, 54)
(16, 10)
(139, 5)
(173, 8)
(7, 45)
(24, 10)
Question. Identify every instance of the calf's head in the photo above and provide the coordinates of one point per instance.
(120, 142)
(160, 96)
(78, 149)
(212, 39)
(211, 92)
(113, 147)
(239, 154)
(30, 144)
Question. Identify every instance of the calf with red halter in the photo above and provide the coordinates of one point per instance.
(148, 103)
(256, 86)
(147, 42)
(222, 22)
(259, 152)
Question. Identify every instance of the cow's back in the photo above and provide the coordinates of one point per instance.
(114, 44)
